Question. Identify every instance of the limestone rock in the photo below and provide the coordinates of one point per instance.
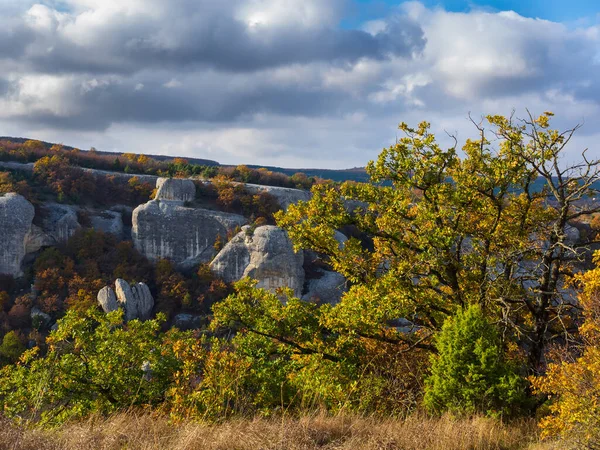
(183, 235)
(37, 239)
(329, 288)
(108, 222)
(59, 222)
(107, 299)
(136, 300)
(143, 300)
(266, 255)
(16, 215)
(175, 189)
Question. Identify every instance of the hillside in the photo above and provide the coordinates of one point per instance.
(449, 289)
(355, 174)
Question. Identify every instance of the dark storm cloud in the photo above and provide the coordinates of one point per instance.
(194, 34)
(150, 102)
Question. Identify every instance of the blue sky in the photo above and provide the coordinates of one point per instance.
(296, 83)
(555, 10)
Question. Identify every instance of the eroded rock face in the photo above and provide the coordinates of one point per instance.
(108, 222)
(266, 255)
(186, 236)
(36, 239)
(136, 300)
(175, 189)
(16, 215)
(59, 222)
(329, 288)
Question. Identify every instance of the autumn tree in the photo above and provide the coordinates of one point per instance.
(441, 230)
(572, 381)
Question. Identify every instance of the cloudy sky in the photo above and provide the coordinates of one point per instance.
(296, 83)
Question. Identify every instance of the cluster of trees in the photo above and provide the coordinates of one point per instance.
(69, 277)
(53, 179)
(72, 184)
(462, 273)
(234, 197)
(33, 151)
(245, 174)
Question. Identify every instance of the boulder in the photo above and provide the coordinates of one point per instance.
(108, 222)
(136, 300)
(16, 215)
(329, 288)
(175, 189)
(107, 299)
(183, 235)
(266, 255)
(59, 222)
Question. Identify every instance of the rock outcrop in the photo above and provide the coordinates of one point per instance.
(136, 300)
(108, 221)
(16, 215)
(329, 288)
(267, 255)
(175, 189)
(186, 236)
(37, 239)
(59, 222)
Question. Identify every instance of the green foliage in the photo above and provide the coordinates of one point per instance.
(470, 374)
(438, 229)
(11, 348)
(300, 357)
(94, 363)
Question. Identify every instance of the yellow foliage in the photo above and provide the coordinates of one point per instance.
(574, 386)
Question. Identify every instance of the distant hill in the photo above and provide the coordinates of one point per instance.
(354, 174)
(203, 162)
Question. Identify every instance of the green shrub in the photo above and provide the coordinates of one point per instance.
(470, 374)
(11, 347)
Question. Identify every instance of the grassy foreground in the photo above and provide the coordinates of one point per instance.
(143, 431)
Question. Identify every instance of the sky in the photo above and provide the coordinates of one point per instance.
(293, 83)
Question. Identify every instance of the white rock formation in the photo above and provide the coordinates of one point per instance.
(16, 215)
(175, 189)
(266, 255)
(186, 236)
(136, 300)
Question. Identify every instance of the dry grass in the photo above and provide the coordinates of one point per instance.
(142, 431)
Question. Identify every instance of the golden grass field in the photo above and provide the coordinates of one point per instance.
(135, 430)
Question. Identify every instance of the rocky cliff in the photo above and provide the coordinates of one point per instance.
(16, 215)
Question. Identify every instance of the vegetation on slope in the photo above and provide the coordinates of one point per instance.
(460, 272)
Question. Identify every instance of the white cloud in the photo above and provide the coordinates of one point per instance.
(279, 81)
